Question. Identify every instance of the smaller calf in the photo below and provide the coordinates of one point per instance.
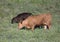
(36, 20)
(20, 17)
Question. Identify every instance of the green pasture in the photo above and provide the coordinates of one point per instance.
(11, 8)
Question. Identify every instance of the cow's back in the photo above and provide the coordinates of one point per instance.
(34, 20)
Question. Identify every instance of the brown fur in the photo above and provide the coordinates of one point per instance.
(32, 21)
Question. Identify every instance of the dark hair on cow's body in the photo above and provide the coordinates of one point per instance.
(20, 17)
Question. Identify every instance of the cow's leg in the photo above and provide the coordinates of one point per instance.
(47, 25)
(32, 28)
(27, 26)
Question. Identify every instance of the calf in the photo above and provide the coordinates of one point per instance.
(20, 17)
(36, 20)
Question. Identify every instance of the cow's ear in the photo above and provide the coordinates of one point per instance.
(23, 19)
(21, 22)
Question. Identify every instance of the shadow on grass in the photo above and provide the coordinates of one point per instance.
(39, 27)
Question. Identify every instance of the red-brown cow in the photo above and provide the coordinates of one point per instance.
(36, 20)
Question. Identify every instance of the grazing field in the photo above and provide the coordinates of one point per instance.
(10, 32)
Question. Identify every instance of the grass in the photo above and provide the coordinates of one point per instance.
(10, 8)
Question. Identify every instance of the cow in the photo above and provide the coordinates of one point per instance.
(20, 17)
(36, 20)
